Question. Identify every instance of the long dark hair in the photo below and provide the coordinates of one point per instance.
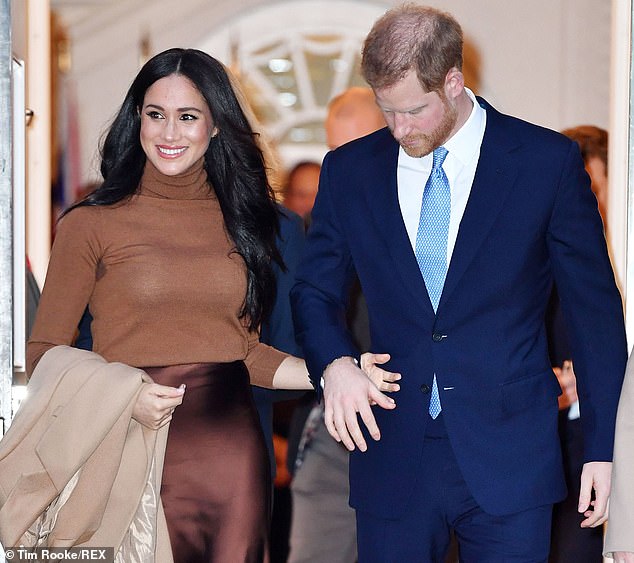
(234, 163)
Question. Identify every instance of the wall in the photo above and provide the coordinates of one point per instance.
(30, 28)
(545, 60)
(18, 29)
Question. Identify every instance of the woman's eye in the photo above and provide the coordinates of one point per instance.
(154, 115)
(188, 117)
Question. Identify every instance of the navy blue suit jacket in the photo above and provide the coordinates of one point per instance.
(531, 219)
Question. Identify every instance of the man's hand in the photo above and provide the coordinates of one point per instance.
(596, 476)
(348, 391)
(384, 380)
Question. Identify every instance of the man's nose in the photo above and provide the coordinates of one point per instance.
(401, 125)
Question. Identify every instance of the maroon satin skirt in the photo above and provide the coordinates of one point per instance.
(216, 477)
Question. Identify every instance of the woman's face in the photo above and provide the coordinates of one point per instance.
(176, 125)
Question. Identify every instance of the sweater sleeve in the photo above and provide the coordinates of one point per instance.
(262, 362)
(70, 280)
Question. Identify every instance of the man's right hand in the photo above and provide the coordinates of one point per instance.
(347, 392)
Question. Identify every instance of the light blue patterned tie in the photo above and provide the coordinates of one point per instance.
(431, 243)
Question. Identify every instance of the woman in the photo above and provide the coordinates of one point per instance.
(619, 539)
(173, 255)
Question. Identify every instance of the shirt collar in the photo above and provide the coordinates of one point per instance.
(467, 140)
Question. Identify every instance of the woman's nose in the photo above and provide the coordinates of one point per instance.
(170, 132)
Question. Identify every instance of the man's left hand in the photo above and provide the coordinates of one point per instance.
(596, 475)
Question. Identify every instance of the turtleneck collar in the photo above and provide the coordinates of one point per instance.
(191, 184)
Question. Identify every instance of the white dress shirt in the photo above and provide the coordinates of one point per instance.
(460, 167)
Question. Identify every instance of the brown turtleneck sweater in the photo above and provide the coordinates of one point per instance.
(160, 277)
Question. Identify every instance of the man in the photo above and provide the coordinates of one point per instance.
(301, 188)
(323, 527)
(457, 220)
(593, 143)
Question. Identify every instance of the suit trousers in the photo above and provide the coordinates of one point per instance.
(323, 527)
(441, 502)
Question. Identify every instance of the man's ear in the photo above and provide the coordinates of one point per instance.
(454, 83)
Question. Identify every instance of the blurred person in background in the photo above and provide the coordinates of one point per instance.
(569, 541)
(301, 187)
(323, 528)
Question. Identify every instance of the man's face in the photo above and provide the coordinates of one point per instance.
(420, 121)
(343, 130)
(302, 189)
(365, 119)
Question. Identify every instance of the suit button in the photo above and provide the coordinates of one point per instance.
(436, 337)
(425, 388)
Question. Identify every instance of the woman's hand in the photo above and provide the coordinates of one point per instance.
(384, 380)
(623, 557)
(155, 404)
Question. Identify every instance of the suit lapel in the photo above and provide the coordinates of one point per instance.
(495, 174)
(382, 199)
(494, 179)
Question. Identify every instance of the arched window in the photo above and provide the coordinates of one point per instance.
(292, 59)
